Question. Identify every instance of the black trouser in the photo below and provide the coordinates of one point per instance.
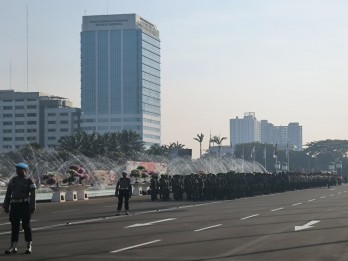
(123, 194)
(18, 212)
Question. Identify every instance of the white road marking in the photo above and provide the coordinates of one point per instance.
(345, 191)
(323, 197)
(276, 209)
(311, 200)
(332, 195)
(332, 189)
(113, 206)
(63, 211)
(3, 224)
(197, 230)
(151, 223)
(296, 204)
(250, 216)
(339, 193)
(306, 226)
(135, 246)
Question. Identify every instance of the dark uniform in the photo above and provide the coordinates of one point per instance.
(123, 191)
(20, 201)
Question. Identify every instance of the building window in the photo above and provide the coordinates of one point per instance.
(19, 114)
(7, 139)
(64, 122)
(19, 138)
(31, 99)
(7, 131)
(51, 122)
(64, 114)
(51, 114)
(19, 130)
(7, 107)
(31, 138)
(51, 138)
(51, 130)
(31, 122)
(7, 122)
(7, 147)
(7, 100)
(64, 130)
(31, 114)
(31, 130)
(19, 100)
(19, 107)
(31, 106)
(19, 123)
(7, 115)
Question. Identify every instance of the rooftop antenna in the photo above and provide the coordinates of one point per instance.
(27, 51)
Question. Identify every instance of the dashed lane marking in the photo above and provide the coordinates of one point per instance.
(296, 204)
(276, 209)
(135, 246)
(205, 228)
(311, 200)
(250, 216)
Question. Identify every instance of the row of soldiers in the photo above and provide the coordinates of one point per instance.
(231, 185)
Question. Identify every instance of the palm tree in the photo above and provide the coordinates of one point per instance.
(199, 138)
(218, 141)
(130, 142)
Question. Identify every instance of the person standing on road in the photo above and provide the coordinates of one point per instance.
(123, 191)
(20, 202)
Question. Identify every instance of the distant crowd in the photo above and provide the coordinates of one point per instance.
(231, 185)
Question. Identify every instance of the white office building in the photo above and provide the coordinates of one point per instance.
(25, 118)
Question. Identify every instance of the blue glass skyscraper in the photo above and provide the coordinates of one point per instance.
(120, 76)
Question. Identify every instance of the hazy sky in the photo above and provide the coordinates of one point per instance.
(285, 60)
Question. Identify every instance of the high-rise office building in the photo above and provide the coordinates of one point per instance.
(245, 130)
(120, 76)
(34, 117)
(249, 129)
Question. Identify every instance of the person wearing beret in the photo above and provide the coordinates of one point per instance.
(20, 203)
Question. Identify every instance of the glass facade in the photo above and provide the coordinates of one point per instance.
(120, 75)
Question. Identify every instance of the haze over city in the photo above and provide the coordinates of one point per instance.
(284, 60)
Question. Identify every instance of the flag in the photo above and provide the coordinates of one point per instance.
(264, 152)
(275, 153)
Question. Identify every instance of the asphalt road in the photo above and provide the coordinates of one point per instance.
(300, 225)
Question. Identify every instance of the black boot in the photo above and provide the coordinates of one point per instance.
(29, 248)
(12, 249)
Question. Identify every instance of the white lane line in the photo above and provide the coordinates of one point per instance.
(332, 189)
(331, 195)
(64, 211)
(250, 216)
(339, 193)
(323, 197)
(311, 200)
(296, 204)
(197, 230)
(276, 209)
(345, 191)
(135, 246)
(3, 224)
(150, 223)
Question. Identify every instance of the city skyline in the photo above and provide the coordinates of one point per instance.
(285, 60)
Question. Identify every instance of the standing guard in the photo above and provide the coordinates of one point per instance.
(123, 191)
(20, 202)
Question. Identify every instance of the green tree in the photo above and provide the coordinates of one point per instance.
(199, 139)
(218, 141)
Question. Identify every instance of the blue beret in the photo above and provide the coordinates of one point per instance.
(21, 166)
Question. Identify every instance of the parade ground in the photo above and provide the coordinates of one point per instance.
(306, 225)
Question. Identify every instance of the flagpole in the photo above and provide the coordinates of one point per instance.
(265, 156)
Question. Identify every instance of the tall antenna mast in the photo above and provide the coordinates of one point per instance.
(10, 73)
(27, 52)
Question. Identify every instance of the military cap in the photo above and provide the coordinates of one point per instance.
(21, 166)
